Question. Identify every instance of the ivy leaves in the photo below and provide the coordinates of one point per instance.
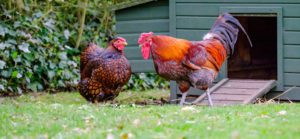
(2, 64)
(35, 56)
(24, 47)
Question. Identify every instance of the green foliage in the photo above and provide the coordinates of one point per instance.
(144, 81)
(38, 39)
(35, 53)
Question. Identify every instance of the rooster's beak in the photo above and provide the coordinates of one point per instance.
(125, 43)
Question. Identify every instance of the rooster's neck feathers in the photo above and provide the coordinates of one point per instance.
(169, 48)
(209, 36)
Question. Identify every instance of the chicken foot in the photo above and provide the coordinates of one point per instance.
(201, 98)
(183, 97)
(209, 97)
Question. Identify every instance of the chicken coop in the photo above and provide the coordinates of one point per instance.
(273, 26)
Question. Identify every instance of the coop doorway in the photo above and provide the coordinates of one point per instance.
(260, 61)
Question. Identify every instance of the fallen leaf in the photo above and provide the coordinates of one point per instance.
(208, 128)
(126, 136)
(190, 122)
(264, 116)
(188, 108)
(158, 122)
(110, 136)
(136, 122)
(235, 135)
(283, 112)
(56, 105)
(83, 107)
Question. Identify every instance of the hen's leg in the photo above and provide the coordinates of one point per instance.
(209, 97)
(183, 97)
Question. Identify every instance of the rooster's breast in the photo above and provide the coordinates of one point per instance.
(171, 70)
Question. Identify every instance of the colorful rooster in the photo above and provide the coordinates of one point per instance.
(193, 63)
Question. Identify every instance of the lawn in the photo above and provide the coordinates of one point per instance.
(67, 115)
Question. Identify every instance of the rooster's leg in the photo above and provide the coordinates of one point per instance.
(209, 97)
(182, 101)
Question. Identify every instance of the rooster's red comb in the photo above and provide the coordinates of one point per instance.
(144, 36)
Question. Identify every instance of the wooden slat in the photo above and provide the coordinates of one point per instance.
(291, 37)
(204, 23)
(142, 65)
(198, 9)
(222, 90)
(292, 65)
(191, 34)
(130, 38)
(291, 24)
(138, 26)
(292, 79)
(293, 94)
(133, 53)
(230, 97)
(173, 95)
(242, 85)
(219, 84)
(212, 9)
(192, 91)
(172, 18)
(263, 90)
(144, 12)
(242, 1)
(223, 95)
(248, 81)
(222, 82)
(220, 102)
(292, 51)
(133, 38)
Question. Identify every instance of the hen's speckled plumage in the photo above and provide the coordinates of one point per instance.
(103, 73)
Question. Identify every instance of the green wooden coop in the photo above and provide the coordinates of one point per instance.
(273, 26)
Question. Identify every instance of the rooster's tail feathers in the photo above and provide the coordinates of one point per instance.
(226, 30)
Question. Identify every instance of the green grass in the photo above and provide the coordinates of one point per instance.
(67, 115)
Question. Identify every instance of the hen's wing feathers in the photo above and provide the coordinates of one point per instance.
(113, 72)
(91, 52)
(109, 69)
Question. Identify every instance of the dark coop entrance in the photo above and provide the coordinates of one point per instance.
(260, 61)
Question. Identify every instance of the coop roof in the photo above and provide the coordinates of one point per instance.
(131, 4)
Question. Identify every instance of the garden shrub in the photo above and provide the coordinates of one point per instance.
(36, 53)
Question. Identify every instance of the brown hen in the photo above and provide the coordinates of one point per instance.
(103, 71)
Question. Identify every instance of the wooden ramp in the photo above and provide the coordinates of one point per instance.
(237, 91)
